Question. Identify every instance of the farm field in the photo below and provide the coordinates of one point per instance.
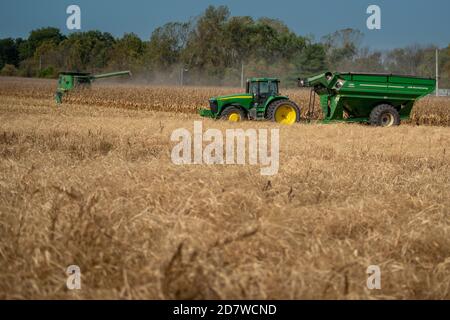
(91, 183)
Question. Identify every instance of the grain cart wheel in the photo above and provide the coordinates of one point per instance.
(284, 112)
(384, 115)
(233, 114)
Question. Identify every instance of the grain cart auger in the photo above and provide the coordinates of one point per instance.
(70, 80)
(379, 99)
(261, 101)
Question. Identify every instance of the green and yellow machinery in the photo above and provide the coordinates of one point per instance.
(379, 99)
(70, 80)
(261, 101)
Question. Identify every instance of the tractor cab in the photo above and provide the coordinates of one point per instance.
(262, 89)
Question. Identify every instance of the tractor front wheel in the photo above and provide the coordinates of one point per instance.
(233, 114)
(384, 115)
(284, 112)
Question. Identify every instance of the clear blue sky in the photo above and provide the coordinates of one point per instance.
(404, 22)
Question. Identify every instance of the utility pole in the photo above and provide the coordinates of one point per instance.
(183, 70)
(437, 72)
(181, 76)
(242, 75)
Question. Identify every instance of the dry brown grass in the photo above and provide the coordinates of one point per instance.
(95, 187)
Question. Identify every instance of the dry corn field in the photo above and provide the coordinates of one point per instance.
(429, 111)
(92, 184)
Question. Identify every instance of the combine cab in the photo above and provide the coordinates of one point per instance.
(379, 99)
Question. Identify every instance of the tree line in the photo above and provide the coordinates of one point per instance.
(213, 48)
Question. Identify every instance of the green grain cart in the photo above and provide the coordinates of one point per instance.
(70, 80)
(379, 99)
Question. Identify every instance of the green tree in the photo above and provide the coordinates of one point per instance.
(310, 61)
(166, 44)
(36, 38)
(274, 40)
(87, 50)
(49, 59)
(127, 53)
(9, 52)
(407, 60)
(342, 47)
(205, 47)
(239, 32)
(445, 67)
(368, 61)
(8, 70)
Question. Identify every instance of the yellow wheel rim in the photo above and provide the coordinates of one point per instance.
(234, 117)
(387, 120)
(285, 114)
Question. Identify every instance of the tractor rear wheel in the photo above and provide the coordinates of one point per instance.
(384, 115)
(233, 114)
(284, 112)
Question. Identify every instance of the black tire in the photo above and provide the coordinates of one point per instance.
(384, 115)
(233, 110)
(274, 106)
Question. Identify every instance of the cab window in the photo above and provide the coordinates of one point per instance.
(269, 88)
(273, 87)
(264, 88)
(253, 88)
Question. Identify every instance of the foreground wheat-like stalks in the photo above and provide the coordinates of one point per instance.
(93, 186)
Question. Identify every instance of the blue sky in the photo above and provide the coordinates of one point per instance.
(404, 22)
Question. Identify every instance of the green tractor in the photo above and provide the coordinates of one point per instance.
(261, 101)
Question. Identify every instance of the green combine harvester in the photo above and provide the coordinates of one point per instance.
(378, 99)
(70, 80)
